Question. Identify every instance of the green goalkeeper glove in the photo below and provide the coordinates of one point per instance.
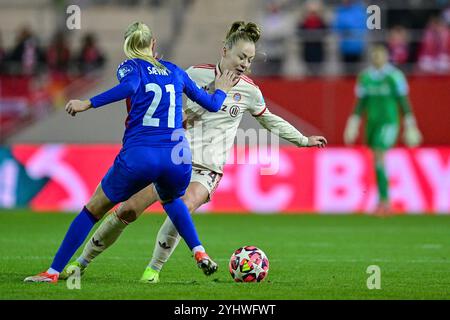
(411, 134)
(352, 129)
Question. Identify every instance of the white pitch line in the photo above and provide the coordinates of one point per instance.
(298, 260)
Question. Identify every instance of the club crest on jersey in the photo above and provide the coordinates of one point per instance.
(124, 70)
(234, 110)
(237, 97)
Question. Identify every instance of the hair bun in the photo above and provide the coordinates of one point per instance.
(241, 30)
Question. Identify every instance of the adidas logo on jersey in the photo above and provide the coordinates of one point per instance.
(157, 71)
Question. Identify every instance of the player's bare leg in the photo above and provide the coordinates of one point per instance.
(99, 204)
(112, 227)
(79, 229)
(383, 207)
(168, 236)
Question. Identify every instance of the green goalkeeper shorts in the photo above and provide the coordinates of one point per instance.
(382, 137)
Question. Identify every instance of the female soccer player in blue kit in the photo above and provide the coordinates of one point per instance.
(154, 97)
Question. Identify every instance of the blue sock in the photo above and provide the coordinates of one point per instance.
(181, 218)
(75, 236)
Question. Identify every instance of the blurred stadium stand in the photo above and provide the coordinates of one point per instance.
(191, 32)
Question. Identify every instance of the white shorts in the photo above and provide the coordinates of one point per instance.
(209, 179)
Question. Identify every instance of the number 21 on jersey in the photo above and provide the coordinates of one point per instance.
(156, 89)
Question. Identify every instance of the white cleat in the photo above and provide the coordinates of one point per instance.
(42, 277)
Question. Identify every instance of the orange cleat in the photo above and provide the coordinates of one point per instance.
(205, 263)
(383, 210)
(43, 277)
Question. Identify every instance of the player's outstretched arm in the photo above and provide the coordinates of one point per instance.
(352, 129)
(282, 128)
(123, 90)
(129, 79)
(75, 106)
(224, 82)
(285, 130)
(317, 141)
(412, 136)
(279, 126)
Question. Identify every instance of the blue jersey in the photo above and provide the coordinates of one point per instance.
(154, 101)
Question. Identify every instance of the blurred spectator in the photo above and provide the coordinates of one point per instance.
(276, 26)
(446, 16)
(58, 54)
(90, 57)
(26, 56)
(350, 25)
(58, 60)
(155, 3)
(2, 55)
(434, 56)
(128, 2)
(398, 46)
(311, 29)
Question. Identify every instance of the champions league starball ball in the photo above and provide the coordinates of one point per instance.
(249, 264)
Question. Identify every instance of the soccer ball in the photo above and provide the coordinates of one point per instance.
(249, 264)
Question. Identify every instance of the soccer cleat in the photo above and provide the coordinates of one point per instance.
(382, 210)
(205, 263)
(42, 277)
(150, 276)
(65, 274)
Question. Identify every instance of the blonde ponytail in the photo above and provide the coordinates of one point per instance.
(138, 37)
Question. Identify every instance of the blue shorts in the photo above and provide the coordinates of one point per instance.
(137, 167)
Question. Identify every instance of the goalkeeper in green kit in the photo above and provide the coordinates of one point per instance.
(381, 91)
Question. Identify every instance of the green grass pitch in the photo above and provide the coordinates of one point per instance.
(311, 257)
